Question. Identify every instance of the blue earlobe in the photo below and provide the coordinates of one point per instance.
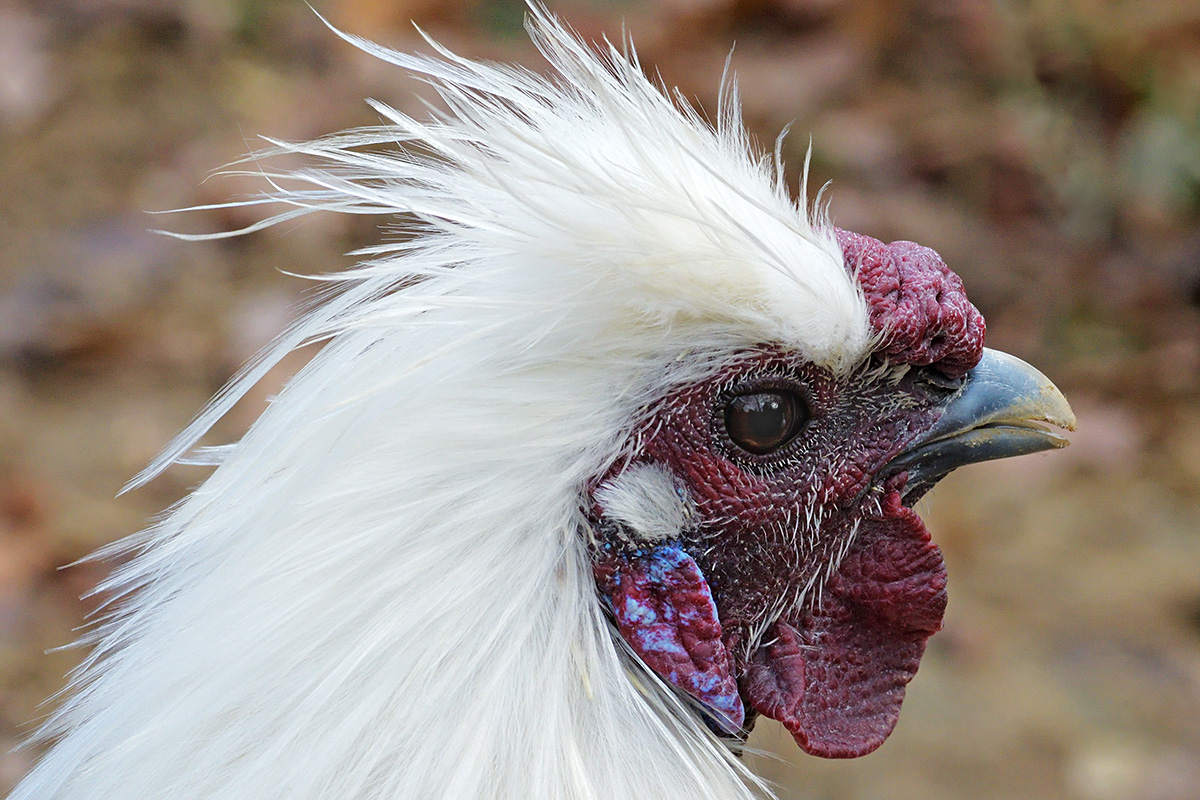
(665, 611)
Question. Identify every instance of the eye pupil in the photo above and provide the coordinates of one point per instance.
(763, 421)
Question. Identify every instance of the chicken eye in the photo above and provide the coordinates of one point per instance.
(760, 422)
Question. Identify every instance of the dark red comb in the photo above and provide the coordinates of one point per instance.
(916, 302)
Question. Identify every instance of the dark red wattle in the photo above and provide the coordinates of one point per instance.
(916, 302)
(835, 677)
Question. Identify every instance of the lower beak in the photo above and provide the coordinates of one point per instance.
(998, 412)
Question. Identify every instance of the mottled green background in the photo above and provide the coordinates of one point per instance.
(1049, 149)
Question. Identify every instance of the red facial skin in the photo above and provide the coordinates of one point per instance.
(826, 584)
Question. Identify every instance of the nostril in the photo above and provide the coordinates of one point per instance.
(934, 378)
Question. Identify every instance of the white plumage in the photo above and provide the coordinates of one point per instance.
(383, 589)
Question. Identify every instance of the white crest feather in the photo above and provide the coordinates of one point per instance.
(383, 591)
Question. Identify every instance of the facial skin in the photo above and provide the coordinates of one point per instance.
(803, 587)
(804, 548)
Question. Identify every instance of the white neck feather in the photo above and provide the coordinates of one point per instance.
(384, 591)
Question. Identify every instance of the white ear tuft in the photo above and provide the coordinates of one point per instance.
(648, 501)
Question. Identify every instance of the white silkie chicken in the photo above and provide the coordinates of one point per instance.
(611, 451)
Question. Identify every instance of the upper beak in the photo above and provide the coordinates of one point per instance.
(996, 414)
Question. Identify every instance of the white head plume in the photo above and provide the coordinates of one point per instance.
(383, 591)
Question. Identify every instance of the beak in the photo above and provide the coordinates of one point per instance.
(996, 414)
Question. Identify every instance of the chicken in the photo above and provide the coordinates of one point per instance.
(611, 448)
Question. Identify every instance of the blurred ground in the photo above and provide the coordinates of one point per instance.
(1049, 149)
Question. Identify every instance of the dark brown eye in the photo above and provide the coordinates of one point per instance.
(764, 421)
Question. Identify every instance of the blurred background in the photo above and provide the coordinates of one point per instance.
(1049, 149)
